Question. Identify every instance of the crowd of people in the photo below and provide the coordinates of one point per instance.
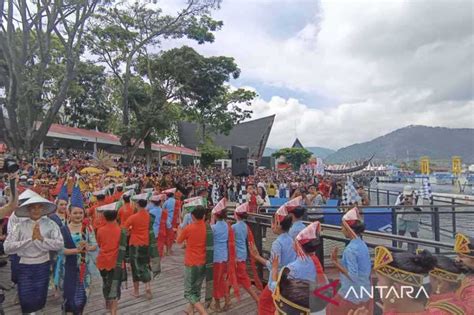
(67, 226)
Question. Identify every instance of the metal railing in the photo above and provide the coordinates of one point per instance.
(434, 219)
(333, 233)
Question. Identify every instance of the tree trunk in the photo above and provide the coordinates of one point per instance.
(147, 144)
(125, 105)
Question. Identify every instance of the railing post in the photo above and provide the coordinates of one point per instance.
(378, 197)
(436, 227)
(320, 252)
(394, 226)
(257, 233)
(453, 209)
(368, 192)
(388, 197)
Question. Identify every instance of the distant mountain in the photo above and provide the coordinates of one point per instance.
(317, 151)
(412, 142)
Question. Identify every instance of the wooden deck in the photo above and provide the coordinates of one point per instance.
(167, 294)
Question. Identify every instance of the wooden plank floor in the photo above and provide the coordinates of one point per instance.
(167, 292)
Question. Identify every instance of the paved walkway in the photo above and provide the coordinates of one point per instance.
(167, 294)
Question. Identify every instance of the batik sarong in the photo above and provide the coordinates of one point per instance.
(112, 279)
(139, 261)
(33, 286)
(193, 278)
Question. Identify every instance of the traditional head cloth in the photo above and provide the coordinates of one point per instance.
(221, 205)
(133, 186)
(243, 208)
(100, 192)
(63, 193)
(169, 191)
(350, 218)
(114, 206)
(157, 198)
(143, 196)
(130, 193)
(47, 206)
(309, 233)
(27, 194)
(464, 245)
(289, 206)
(191, 203)
(76, 197)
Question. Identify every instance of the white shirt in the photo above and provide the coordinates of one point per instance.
(19, 241)
(12, 221)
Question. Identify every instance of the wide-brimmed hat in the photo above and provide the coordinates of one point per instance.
(27, 194)
(48, 206)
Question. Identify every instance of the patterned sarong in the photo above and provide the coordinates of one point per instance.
(193, 278)
(33, 286)
(155, 259)
(209, 262)
(112, 279)
(139, 261)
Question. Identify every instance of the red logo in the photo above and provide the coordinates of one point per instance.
(319, 292)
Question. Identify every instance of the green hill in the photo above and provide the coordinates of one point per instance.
(411, 143)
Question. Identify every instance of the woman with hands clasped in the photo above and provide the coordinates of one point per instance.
(32, 239)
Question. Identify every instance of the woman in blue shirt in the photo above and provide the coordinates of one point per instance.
(282, 248)
(354, 268)
(243, 235)
(291, 288)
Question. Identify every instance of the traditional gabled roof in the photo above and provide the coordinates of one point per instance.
(252, 134)
(297, 144)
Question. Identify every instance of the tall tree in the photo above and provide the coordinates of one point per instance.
(123, 32)
(86, 105)
(31, 32)
(152, 115)
(201, 86)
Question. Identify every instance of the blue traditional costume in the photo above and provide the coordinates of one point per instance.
(306, 270)
(74, 272)
(356, 264)
(34, 266)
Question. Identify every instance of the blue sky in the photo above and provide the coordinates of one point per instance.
(347, 71)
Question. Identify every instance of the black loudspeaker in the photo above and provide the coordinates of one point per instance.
(240, 161)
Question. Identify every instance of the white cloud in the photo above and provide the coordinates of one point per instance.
(384, 64)
(351, 123)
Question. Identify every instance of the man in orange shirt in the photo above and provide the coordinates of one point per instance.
(142, 246)
(118, 192)
(198, 259)
(126, 210)
(110, 260)
(95, 216)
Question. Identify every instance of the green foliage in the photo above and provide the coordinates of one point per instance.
(294, 156)
(210, 153)
(121, 33)
(41, 43)
(201, 85)
(86, 106)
